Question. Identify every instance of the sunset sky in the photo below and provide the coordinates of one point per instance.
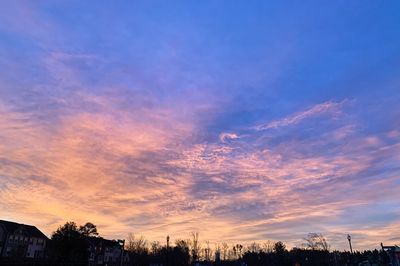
(242, 120)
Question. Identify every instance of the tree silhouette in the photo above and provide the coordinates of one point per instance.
(155, 247)
(268, 246)
(195, 246)
(207, 251)
(138, 249)
(279, 247)
(224, 247)
(88, 229)
(181, 254)
(315, 241)
(137, 245)
(69, 244)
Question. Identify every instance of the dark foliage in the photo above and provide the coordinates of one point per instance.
(68, 245)
(315, 258)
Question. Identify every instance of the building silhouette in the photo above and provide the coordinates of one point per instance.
(21, 240)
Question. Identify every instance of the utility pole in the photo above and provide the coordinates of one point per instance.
(349, 238)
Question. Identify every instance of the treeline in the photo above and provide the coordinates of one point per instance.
(186, 252)
(69, 246)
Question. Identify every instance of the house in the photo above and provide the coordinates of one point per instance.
(106, 252)
(394, 254)
(21, 240)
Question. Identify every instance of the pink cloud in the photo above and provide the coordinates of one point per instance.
(226, 136)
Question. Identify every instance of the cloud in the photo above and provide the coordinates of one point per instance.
(123, 170)
(319, 109)
(87, 153)
(227, 136)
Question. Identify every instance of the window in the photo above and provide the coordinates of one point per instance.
(37, 254)
(40, 242)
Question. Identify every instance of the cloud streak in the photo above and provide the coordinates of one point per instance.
(329, 107)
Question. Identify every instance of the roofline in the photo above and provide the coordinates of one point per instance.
(28, 225)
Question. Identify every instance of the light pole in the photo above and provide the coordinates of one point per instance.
(349, 238)
(167, 250)
(167, 242)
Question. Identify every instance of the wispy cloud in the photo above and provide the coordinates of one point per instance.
(328, 107)
(227, 136)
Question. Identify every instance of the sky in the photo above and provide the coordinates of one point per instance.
(242, 120)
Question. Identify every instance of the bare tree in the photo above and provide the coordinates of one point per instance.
(224, 247)
(217, 252)
(207, 251)
(315, 241)
(231, 254)
(237, 250)
(254, 247)
(268, 246)
(195, 246)
(155, 247)
(136, 245)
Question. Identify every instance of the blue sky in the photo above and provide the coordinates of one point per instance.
(243, 121)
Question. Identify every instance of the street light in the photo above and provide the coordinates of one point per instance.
(167, 242)
(349, 238)
(167, 250)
